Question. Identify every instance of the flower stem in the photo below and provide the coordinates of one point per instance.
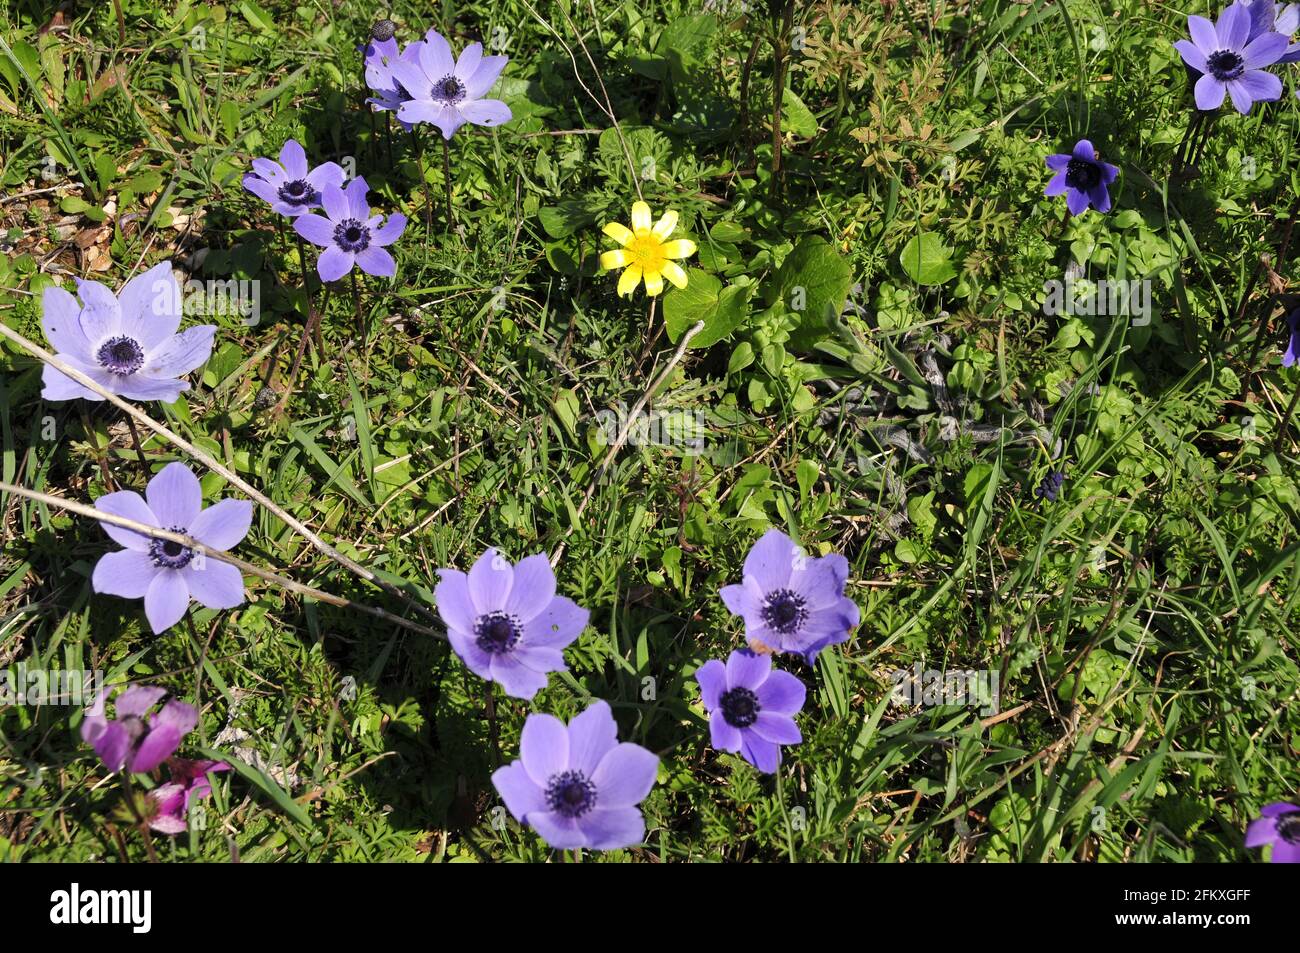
(494, 735)
(356, 302)
(778, 90)
(789, 834)
(135, 813)
(100, 456)
(306, 281)
(446, 177)
(139, 447)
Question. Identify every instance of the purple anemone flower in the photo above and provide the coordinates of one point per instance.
(506, 622)
(164, 573)
(1082, 177)
(136, 740)
(290, 186)
(126, 343)
(350, 235)
(576, 785)
(1267, 16)
(389, 93)
(1293, 347)
(1230, 62)
(189, 783)
(792, 602)
(1278, 824)
(751, 707)
(446, 91)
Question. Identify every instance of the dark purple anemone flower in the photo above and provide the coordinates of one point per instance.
(506, 622)
(751, 707)
(1050, 487)
(350, 235)
(1230, 61)
(136, 740)
(1293, 347)
(1278, 824)
(189, 783)
(1082, 178)
(126, 343)
(164, 573)
(290, 186)
(576, 785)
(792, 602)
(379, 58)
(447, 91)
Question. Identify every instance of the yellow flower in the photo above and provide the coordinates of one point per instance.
(646, 253)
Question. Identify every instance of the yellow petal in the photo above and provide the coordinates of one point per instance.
(620, 233)
(629, 280)
(640, 218)
(654, 282)
(664, 227)
(673, 272)
(613, 259)
(681, 248)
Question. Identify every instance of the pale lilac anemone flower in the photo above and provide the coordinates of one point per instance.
(792, 602)
(506, 622)
(126, 343)
(751, 707)
(134, 739)
(1230, 62)
(189, 783)
(1279, 825)
(1267, 16)
(389, 93)
(350, 235)
(167, 574)
(290, 185)
(446, 91)
(576, 785)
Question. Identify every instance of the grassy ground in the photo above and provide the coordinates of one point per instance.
(1141, 626)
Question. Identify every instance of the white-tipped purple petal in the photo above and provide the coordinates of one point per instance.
(293, 157)
(166, 601)
(129, 504)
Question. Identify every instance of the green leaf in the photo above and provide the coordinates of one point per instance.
(704, 299)
(927, 260)
(814, 281)
(796, 118)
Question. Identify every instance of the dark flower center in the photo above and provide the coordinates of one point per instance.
(1082, 175)
(570, 794)
(784, 611)
(496, 632)
(1288, 827)
(298, 192)
(1226, 65)
(740, 707)
(449, 89)
(168, 554)
(351, 235)
(121, 355)
(383, 30)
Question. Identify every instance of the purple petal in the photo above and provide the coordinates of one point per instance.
(515, 678)
(166, 601)
(390, 231)
(625, 776)
(763, 755)
(741, 600)
(129, 504)
(222, 525)
(1278, 808)
(181, 353)
(59, 386)
(139, 387)
(335, 202)
(101, 316)
(435, 56)
(215, 584)
(59, 312)
(1209, 93)
(1076, 201)
(485, 112)
(771, 560)
(269, 170)
(1084, 151)
(540, 658)
(778, 729)
(137, 700)
(612, 828)
(1056, 186)
(263, 189)
(1261, 86)
(558, 831)
(522, 796)
(152, 305)
(326, 174)
(544, 747)
(820, 581)
(490, 579)
(333, 262)
(159, 745)
(356, 192)
(746, 669)
(125, 573)
(175, 496)
(454, 604)
(294, 159)
(468, 62)
(1192, 56)
(1059, 162)
(532, 588)
(1099, 196)
(317, 229)
(414, 79)
(182, 716)
(475, 659)
(592, 734)
(1233, 27)
(485, 76)
(1203, 34)
(1284, 853)
(112, 745)
(376, 261)
(782, 693)
(1261, 831)
(557, 625)
(712, 678)
(723, 736)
